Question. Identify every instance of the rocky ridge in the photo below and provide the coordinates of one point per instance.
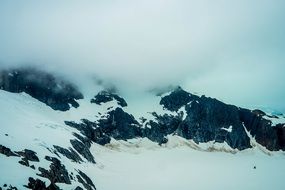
(53, 91)
(201, 119)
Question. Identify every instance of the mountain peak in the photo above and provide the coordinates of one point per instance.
(57, 146)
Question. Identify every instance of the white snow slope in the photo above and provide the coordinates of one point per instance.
(136, 165)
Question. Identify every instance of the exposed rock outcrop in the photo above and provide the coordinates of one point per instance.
(68, 153)
(29, 155)
(106, 96)
(56, 173)
(7, 151)
(37, 184)
(26, 155)
(120, 125)
(55, 92)
(176, 99)
(269, 136)
(83, 149)
(90, 131)
(162, 126)
(212, 120)
(85, 181)
(204, 120)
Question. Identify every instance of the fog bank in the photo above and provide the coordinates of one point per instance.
(231, 50)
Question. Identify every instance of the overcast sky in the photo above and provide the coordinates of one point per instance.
(233, 50)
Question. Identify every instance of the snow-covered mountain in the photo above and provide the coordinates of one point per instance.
(55, 137)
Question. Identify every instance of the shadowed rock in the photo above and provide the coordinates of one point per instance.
(82, 149)
(120, 125)
(205, 119)
(85, 181)
(177, 99)
(29, 155)
(45, 87)
(68, 153)
(272, 137)
(105, 96)
(211, 120)
(37, 184)
(208, 120)
(7, 151)
(56, 173)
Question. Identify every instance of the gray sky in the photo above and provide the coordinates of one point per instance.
(233, 50)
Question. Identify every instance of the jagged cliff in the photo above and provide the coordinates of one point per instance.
(191, 117)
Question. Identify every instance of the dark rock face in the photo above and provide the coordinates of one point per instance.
(69, 153)
(83, 149)
(37, 184)
(26, 155)
(85, 181)
(57, 172)
(161, 127)
(91, 132)
(24, 162)
(177, 99)
(105, 96)
(56, 93)
(120, 125)
(7, 151)
(204, 120)
(272, 137)
(258, 112)
(29, 155)
(207, 120)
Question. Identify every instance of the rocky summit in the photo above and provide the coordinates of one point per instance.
(58, 150)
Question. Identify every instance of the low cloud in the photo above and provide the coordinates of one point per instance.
(230, 50)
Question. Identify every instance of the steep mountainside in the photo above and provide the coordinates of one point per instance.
(54, 92)
(51, 134)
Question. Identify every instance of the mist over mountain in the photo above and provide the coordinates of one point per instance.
(151, 94)
(206, 47)
(61, 137)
